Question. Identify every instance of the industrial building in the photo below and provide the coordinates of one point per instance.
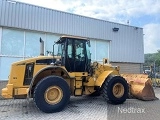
(21, 26)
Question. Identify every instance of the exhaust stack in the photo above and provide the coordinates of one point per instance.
(41, 47)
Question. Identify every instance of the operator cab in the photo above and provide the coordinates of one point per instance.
(75, 53)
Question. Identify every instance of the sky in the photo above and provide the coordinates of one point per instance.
(140, 13)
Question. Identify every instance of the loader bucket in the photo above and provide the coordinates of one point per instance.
(140, 86)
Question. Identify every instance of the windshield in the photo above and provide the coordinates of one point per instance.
(61, 49)
(88, 49)
(79, 47)
(75, 54)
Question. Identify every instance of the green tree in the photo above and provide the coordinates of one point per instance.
(151, 58)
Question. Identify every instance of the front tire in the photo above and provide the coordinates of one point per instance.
(115, 89)
(51, 94)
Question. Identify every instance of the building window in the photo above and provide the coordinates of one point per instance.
(93, 49)
(12, 42)
(18, 44)
(99, 50)
(32, 44)
(102, 50)
(50, 40)
(5, 64)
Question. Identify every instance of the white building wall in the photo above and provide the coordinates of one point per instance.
(21, 25)
(18, 44)
(126, 44)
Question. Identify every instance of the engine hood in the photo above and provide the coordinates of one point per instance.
(34, 59)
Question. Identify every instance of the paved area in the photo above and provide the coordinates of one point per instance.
(2, 85)
(83, 108)
(134, 109)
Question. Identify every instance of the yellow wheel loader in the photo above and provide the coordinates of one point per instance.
(51, 80)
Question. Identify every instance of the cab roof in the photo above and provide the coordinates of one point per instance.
(72, 37)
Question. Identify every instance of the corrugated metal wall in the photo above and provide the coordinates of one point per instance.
(134, 68)
(126, 45)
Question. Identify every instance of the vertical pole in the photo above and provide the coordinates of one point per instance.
(24, 45)
(155, 68)
(95, 58)
(154, 73)
(53, 49)
(109, 50)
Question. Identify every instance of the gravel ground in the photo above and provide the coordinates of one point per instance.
(83, 108)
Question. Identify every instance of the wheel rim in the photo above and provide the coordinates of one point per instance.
(53, 95)
(118, 90)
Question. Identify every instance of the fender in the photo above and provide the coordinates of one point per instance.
(101, 78)
(48, 67)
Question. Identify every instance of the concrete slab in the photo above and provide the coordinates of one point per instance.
(83, 108)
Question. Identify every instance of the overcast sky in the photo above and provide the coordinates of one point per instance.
(140, 13)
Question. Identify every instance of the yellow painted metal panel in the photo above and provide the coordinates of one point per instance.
(17, 75)
(20, 91)
(8, 91)
(102, 78)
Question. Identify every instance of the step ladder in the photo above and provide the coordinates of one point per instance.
(78, 91)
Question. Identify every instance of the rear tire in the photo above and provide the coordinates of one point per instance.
(115, 89)
(51, 94)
